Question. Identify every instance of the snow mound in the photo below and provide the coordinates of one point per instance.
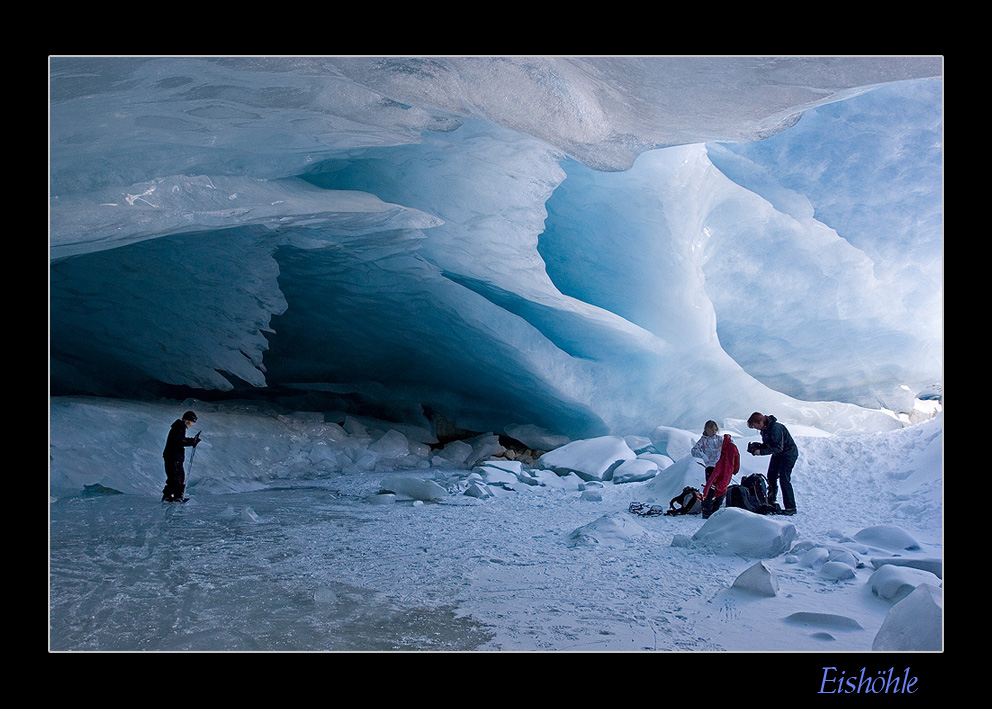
(934, 565)
(686, 472)
(830, 621)
(836, 571)
(609, 529)
(732, 530)
(887, 536)
(894, 583)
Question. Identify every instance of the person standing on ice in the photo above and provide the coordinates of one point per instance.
(708, 447)
(717, 481)
(777, 442)
(175, 457)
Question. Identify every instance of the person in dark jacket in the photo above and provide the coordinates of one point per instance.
(175, 455)
(777, 442)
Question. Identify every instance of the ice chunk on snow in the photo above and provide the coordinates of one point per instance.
(393, 444)
(249, 515)
(757, 579)
(732, 530)
(495, 475)
(411, 488)
(636, 470)
(673, 442)
(590, 459)
(914, 623)
(662, 461)
(479, 489)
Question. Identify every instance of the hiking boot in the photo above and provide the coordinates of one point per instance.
(788, 511)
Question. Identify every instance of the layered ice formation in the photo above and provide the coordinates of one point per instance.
(586, 246)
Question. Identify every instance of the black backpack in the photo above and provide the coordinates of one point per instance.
(687, 502)
(757, 485)
(751, 495)
(739, 496)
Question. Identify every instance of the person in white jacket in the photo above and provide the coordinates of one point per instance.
(708, 447)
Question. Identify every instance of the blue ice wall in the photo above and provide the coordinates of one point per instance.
(506, 241)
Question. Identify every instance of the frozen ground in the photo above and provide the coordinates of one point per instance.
(312, 562)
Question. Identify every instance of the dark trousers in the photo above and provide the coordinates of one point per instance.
(711, 503)
(780, 475)
(709, 471)
(175, 480)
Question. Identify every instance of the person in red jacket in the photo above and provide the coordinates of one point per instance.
(726, 467)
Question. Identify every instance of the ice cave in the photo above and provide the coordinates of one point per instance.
(448, 321)
(584, 245)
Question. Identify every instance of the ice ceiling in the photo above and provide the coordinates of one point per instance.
(589, 245)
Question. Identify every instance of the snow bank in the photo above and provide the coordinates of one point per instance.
(685, 472)
(887, 536)
(893, 583)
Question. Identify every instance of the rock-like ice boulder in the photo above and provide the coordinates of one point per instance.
(673, 442)
(636, 470)
(590, 459)
(411, 488)
(915, 623)
(758, 580)
(733, 530)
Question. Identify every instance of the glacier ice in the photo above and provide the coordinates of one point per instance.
(588, 246)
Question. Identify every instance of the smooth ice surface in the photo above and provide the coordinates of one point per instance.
(288, 543)
(589, 246)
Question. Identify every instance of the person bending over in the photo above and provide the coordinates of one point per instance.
(777, 442)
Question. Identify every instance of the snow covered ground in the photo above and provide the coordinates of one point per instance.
(291, 542)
